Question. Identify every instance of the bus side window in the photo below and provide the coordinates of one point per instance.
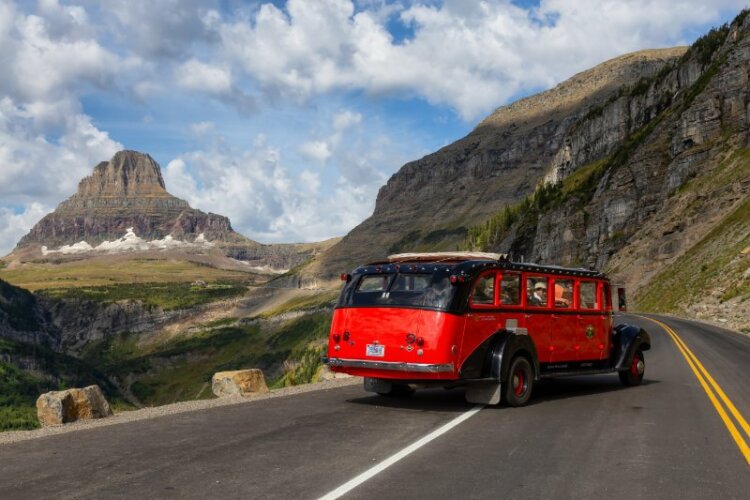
(510, 290)
(563, 293)
(588, 295)
(536, 291)
(484, 290)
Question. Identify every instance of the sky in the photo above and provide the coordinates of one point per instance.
(285, 116)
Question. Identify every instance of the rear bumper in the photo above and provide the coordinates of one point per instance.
(389, 365)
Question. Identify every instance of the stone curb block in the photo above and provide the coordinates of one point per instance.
(239, 383)
(61, 407)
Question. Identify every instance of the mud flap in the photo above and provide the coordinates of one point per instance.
(486, 392)
(377, 385)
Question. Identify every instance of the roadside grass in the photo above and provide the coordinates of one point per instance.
(95, 273)
(717, 258)
(18, 393)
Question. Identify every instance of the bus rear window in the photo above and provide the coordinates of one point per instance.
(374, 283)
(428, 290)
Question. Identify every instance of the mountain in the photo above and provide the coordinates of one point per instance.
(639, 167)
(124, 206)
(127, 191)
(430, 203)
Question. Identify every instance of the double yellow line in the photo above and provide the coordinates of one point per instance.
(714, 392)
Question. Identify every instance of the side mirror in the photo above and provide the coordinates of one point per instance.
(622, 302)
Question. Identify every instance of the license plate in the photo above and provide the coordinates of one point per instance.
(377, 350)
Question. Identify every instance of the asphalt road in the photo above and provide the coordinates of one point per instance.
(580, 437)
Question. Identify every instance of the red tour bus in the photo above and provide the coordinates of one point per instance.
(478, 320)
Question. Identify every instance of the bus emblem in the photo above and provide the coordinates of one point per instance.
(590, 332)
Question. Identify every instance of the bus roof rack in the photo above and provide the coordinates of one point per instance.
(445, 257)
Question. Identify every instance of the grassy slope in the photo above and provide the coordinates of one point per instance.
(168, 296)
(716, 261)
(95, 273)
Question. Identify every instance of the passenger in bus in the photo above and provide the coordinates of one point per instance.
(563, 293)
(539, 296)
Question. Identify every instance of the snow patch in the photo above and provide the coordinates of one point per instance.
(261, 269)
(130, 243)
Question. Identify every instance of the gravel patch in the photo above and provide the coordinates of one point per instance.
(173, 409)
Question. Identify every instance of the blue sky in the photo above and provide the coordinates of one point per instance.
(285, 116)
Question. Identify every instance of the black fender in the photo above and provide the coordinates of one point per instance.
(491, 359)
(627, 340)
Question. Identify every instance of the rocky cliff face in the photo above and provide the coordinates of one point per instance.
(127, 191)
(665, 210)
(24, 319)
(430, 203)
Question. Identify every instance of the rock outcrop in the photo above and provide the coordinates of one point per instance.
(62, 407)
(244, 383)
(127, 191)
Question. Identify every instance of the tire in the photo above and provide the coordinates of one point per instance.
(398, 391)
(634, 374)
(520, 382)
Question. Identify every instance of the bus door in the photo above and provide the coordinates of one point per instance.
(592, 329)
(483, 318)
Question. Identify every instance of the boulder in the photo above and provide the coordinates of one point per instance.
(61, 407)
(239, 383)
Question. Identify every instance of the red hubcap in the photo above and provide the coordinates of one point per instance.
(518, 382)
(635, 367)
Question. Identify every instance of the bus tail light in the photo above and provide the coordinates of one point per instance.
(410, 338)
(346, 336)
(336, 337)
(420, 341)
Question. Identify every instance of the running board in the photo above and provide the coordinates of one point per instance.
(554, 374)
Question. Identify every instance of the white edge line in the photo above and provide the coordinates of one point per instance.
(353, 483)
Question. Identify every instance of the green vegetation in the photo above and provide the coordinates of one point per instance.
(168, 296)
(580, 185)
(308, 365)
(717, 258)
(19, 389)
(182, 369)
(97, 273)
(704, 48)
(18, 393)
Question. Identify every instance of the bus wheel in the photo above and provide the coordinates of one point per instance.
(520, 382)
(398, 391)
(634, 374)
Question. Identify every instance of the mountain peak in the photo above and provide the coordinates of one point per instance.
(127, 174)
(125, 192)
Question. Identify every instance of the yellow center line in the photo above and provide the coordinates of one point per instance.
(705, 379)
